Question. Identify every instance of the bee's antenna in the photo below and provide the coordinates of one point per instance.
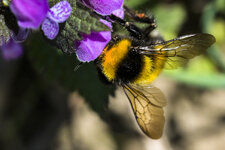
(77, 66)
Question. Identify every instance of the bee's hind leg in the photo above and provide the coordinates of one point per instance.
(143, 18)
(133, 29)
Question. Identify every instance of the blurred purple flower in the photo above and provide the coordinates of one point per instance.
(11, 50)
(21, 35)
(29, 13)
(59, 13)
(103, 7)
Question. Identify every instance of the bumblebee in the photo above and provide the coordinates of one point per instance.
(134, 62)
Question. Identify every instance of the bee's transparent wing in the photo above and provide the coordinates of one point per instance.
(178, 51)
(147, 104)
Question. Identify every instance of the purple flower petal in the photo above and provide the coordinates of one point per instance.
(106, 23)
(11, 50)
(50, 28)
(104, 7)
(92, 45)
(29, 13)
(119, 13)
(60, 11)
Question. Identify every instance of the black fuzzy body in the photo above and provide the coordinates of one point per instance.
(129, 68)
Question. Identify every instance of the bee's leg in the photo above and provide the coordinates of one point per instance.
(143, 18)
(139, 17)
(116, 38)
(78, 66)
(134, 30)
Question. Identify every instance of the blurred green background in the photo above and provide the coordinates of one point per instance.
(46, 105)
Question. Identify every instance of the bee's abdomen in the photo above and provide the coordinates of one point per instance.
(129, 68)
(152, 67)
(118, 63)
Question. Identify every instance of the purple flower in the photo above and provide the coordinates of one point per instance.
(29, 13)
(92, 45)
(59, 13)
(119, 13)
(103, 7)
(11, 50)
(50, 28)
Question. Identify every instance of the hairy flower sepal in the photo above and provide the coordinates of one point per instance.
(59, 13)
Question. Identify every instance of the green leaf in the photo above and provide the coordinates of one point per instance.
(80, 21)
(135, 3)
(4, 31)
(169, 18)
(8, 24)
(58, 68)
(199, 72)
(217, 28)
(204, 80)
